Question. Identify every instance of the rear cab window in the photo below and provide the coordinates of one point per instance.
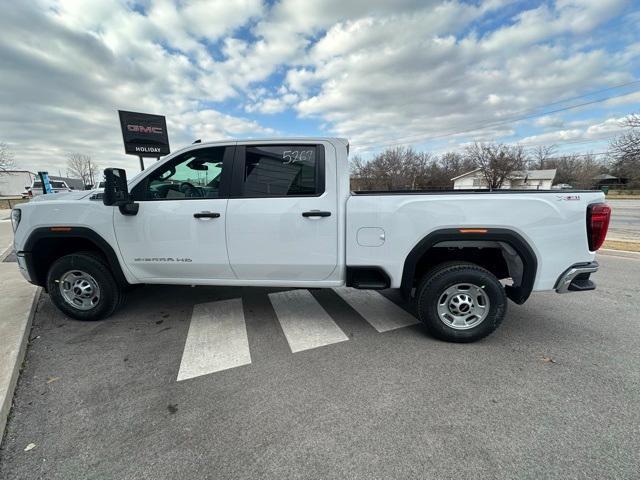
(53, 183)
(279, 171)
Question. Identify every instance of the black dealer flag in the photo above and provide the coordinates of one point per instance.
(144, 134)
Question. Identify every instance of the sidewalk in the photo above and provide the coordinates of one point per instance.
(6, 235)
(17, 298)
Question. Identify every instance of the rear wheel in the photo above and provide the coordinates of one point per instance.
(82, 286)
(460, 302)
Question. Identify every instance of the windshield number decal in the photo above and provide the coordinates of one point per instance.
(293, 156)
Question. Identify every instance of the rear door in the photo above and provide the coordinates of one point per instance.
(282, 216)
(179, 231)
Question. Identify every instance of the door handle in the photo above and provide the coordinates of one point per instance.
(316, 213)
(206, 215)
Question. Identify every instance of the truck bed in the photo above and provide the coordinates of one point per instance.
(552, 222)
(462, 191)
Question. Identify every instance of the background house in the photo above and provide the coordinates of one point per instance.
(520, 180)
(606, 179)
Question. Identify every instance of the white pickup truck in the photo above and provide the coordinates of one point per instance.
(279, 213)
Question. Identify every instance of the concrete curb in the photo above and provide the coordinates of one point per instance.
(619, 253)
(15, 329)
(6, 253)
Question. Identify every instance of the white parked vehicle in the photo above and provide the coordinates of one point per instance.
(36, 188)
(279, 213)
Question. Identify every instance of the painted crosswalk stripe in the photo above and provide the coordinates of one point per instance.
(217, 339)
(304, 322)
(379, 311)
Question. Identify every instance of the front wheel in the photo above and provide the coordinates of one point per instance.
(460, 302)
(82, 286)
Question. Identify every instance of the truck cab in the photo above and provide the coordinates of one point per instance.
(241, 213)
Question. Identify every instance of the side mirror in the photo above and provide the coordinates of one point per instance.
(197, 165)
(116, 191)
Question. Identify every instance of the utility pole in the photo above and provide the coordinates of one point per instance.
(91, 174)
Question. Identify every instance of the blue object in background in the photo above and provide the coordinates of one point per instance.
(46, 184)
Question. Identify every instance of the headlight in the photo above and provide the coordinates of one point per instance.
(16, 215)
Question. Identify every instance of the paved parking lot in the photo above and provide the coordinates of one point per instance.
(227, 383)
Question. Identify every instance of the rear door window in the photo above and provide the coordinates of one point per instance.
(282, 171)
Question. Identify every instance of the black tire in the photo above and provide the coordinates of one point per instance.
(110, 298)
(433, 287)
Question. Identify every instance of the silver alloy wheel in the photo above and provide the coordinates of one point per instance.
(463, 306)
(79, 289)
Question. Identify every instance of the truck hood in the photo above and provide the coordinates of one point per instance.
(65, 196)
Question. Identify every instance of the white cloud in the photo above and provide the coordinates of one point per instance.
(273, 104)
(404, 76)
(582, 131)
(549, 121)
(68, 66)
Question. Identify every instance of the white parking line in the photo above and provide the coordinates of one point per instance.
(217, 339)
(304, 322)
(379, 311)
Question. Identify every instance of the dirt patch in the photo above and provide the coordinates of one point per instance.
(622, 245)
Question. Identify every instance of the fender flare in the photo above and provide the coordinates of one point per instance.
(44, 233)
(519, 294)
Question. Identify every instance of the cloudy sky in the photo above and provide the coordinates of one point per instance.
(427, 73)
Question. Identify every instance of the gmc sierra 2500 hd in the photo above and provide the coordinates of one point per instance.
(279, 213)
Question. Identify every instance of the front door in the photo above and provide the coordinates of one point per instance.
(179, 234)
(282, 217)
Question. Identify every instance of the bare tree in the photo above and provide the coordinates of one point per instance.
(404, 168)
(448, 166)
(625, 151)
(576, 170)
(394, 169)
(6, 158)
(81, 166)
(541, 154)
(496, 161)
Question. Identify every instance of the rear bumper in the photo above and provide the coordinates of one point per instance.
(576, 278)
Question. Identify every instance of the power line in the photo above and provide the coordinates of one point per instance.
(561, 144)
(515, 118)
(566, 142)
(506, 121)
(590, 154)
(595, 92)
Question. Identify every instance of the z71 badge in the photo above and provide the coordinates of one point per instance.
(567, 197)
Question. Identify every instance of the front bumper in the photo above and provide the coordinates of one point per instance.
(576, 278)
(24, 263)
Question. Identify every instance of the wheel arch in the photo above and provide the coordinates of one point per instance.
(518, 255)
(46, 244)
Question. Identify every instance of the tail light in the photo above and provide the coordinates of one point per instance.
(598, 215)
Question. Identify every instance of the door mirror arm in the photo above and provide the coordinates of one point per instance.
(116, 191)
